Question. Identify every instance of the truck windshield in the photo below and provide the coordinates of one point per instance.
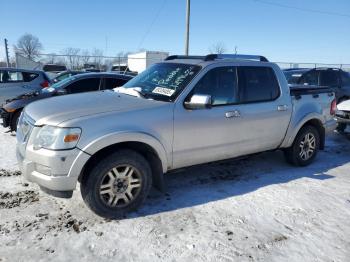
(163, 81)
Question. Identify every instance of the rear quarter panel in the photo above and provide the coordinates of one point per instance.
(305, 109)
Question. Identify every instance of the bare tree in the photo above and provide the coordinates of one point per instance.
(97, 57)
(85, 56)
(218, 48)
(29, 46)
(72, 56)
(51, 59)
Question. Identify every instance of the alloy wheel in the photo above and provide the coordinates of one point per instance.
(120, 186)
(307, 146)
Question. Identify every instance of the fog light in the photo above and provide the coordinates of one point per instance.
(45, 170)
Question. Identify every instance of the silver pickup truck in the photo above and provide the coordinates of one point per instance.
(185, 111)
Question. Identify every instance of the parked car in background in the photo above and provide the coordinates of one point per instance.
(293, 75)
(14, 82)
(122, 69)
(65, 74)
(87, 82)
(185, 111)
(330, 77)
(343, 115)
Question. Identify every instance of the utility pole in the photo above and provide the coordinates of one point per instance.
(187, 40)
(7, 53)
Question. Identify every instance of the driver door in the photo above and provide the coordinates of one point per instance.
(204, 135)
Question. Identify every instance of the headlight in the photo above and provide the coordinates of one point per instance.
(56, 138)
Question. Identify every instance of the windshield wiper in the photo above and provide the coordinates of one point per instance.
(134, 91)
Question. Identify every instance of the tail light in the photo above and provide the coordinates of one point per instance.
(45, 84)
(333, 107)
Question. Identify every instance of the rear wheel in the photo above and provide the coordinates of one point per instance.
(118, 184)
(305, 147)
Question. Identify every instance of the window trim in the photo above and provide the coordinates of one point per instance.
(237, 87)
(265, 100)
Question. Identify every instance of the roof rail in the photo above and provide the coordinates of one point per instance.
(172, 57)
(235, 56)
(212, 57)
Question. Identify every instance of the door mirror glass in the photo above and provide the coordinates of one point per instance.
(199, 102)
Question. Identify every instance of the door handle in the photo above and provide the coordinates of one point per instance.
(282, 108)
(234, 113)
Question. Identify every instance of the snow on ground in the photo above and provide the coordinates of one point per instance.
(255, 209)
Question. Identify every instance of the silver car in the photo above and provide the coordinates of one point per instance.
(181, 112)
(15, 82)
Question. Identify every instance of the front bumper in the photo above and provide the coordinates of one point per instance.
(343, 118)
(6, 117)
(52, 170)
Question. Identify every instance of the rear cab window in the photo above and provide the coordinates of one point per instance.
(257, 84)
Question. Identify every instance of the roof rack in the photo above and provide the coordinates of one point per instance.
(173, 57)
(212, 57)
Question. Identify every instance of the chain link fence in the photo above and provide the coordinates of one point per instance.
(288, 65)
(121, 63)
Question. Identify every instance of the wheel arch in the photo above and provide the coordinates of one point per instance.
(312, 120)
(149, 148)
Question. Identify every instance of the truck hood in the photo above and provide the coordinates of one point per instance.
(55, 110)
(344, 106)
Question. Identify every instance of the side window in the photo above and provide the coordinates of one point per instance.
(28, 77)
(329, 78)
(309, 78)
(257, 84)
(114, 82)
(11, 77)
(84, 85)
(220, 83)
(345, 78)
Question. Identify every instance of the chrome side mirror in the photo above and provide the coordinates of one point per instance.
(199, 102)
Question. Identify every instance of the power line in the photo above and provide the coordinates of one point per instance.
(151, 25)
(303, 9)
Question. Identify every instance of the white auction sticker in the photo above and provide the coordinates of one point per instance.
(163, 91)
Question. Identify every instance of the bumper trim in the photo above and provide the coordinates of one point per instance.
(56, 193)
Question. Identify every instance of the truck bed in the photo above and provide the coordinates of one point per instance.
(298, 90)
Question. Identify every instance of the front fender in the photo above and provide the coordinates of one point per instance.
(296, 125)
(120, 137)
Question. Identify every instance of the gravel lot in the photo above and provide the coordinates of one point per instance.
(255, 209)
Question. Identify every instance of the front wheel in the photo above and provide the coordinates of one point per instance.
(305, 147)
(117, 185)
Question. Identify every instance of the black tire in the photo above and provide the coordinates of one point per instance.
(14, 120)
(91, 185)
(294, 155)
(341, 127)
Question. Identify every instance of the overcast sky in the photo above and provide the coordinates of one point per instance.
(282, 30)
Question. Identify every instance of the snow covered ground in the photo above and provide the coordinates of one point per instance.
(255, 209)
